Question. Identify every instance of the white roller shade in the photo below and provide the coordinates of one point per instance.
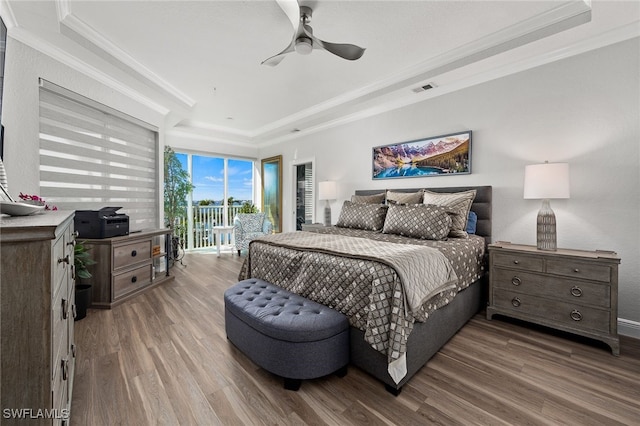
(92, 157)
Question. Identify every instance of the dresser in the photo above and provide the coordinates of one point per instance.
(570, 290)
(126, 266)
(37, 309)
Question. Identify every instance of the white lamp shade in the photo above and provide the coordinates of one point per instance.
(327, 190)
(546, 181)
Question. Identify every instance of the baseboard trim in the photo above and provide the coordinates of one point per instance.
(629, 328)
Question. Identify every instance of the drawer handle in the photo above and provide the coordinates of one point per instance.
(65, 369)
(134, 279)
(516, 302)
(134, 253)
(576, 291)
(577, 271)
(64, 260)
(576, 315)
(73, 350)
(516, 281)
(73, 311)
(516, 262)
(65, 309)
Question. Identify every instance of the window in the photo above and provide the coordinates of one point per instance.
(92, 156)
(223, 186)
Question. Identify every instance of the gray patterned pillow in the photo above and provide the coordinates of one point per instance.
(418, 221)
(404, 197)
(368, 199)
(458, 204)
(362, 216)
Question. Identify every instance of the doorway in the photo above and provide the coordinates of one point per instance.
(304, 194)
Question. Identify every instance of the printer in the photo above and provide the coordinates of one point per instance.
(103, 223)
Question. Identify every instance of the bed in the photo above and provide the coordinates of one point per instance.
(369, 275)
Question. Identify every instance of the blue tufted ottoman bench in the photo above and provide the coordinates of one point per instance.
(284, 333)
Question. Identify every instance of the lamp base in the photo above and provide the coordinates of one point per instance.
(327, 214)
(546, 228)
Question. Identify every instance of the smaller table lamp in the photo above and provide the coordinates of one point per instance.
(327, 191)
(546, 181)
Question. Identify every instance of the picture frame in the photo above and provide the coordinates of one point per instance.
(271, 172)
(443, 155)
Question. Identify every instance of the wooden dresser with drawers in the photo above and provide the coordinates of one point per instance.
(571, 290)
(126, 266)
(37, 313)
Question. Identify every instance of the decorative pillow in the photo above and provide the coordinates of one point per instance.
(458, 204)
(472, 221)
(404, 197)
(368, 199)
(418, 221)
(369, 217)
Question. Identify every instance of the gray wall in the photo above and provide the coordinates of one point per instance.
(583, 110)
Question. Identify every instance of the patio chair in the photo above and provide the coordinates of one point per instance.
(249, 226)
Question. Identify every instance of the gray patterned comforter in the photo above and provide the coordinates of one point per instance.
(369, 287)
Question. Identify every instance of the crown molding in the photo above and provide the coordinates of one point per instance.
(100, 45)
(542, 25)
(617, 35)
(7, 14)
(210, 138)
(71, 61)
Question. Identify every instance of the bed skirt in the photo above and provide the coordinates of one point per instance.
(425, 339)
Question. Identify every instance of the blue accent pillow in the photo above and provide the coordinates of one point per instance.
(472, 221)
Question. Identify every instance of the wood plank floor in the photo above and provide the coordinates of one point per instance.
(163, 358)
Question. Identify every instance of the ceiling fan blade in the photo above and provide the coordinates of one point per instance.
(347, 51)
(291, 8)
(276, 59)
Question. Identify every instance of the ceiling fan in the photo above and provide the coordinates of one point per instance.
(304, 41)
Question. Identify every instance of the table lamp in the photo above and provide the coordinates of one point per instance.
(327, 191)
(546, 181)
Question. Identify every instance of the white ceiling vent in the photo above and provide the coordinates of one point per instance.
(423, 88)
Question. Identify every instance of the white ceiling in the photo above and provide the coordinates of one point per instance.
(202, 58)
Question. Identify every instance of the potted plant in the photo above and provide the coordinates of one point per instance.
(82, 259)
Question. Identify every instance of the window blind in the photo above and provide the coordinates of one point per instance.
(92, 156)
(308, 193)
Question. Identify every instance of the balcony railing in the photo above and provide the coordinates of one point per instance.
(204, 218)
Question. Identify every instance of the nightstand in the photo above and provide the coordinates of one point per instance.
(570, 290)
(311, 227)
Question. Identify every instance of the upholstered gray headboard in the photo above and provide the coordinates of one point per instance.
(481, 204)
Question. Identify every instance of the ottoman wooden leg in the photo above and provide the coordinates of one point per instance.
(342, 372)
(292, 384)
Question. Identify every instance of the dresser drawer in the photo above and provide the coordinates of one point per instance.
(556, 288)
(131, 254)
(516, 260)
(60, 386)
(60, 262)
(546, 311)
(581, 270)
(60, 317)
(129, 281)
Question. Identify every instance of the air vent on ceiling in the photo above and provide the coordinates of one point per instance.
(425, 87)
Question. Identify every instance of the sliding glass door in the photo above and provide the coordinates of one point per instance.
(223, 187)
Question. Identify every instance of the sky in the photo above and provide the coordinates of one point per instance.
(208, 178)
